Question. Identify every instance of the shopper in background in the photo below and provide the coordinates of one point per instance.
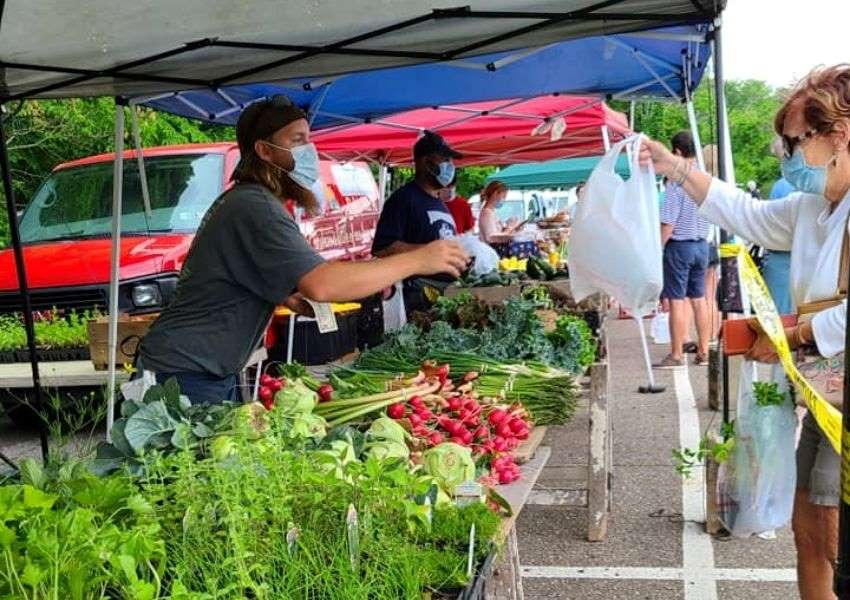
(683, 235)
(811, 223)
(776, 264)
(753, 189)
(459, 208)
(712, 273)
(492, 197)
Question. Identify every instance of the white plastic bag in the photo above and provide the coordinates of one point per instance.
(615, 244)
(755, 488)
(395, 316)
(660, 328)
(136, 389)
(486, 259)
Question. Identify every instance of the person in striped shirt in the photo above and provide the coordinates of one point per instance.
(683, 235)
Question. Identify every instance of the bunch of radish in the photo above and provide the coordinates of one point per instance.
(269, 386)
(491, 431)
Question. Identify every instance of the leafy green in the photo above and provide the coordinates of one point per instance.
(768, 394)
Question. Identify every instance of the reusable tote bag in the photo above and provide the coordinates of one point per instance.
(615, 243)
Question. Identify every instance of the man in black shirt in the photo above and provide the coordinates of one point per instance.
(414, 215)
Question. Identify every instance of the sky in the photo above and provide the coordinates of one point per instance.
(779, 41)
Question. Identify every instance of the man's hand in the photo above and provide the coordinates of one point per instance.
(442, 256)
(297, 304)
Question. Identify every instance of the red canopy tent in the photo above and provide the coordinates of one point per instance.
(487, 133)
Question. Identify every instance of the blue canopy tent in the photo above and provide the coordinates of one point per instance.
(563, 173)
(662, 63)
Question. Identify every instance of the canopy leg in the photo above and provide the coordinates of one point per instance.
(651, 388)
(15, 233)
(115, 258)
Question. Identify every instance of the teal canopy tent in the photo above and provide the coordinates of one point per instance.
(564, 173)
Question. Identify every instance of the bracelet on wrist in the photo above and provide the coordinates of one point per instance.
(687, 170)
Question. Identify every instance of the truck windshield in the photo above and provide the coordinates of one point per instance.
(77, 202)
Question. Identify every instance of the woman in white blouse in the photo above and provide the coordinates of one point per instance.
(492, 197)
(811, 223)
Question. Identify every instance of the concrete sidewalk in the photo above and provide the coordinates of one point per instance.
(652, 551)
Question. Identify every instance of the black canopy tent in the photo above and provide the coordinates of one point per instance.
(47, 51)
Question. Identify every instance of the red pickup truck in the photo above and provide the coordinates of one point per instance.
(66, 226)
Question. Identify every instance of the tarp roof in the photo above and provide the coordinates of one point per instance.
(554, 173)
(660, 63)
(487, 133)
(103, 47)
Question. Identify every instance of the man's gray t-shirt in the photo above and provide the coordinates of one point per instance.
(247, 257)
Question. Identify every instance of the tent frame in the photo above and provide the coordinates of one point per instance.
(343, 47)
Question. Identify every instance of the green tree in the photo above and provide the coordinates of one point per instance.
(44, 133)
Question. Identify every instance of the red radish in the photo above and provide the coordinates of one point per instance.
(268, 405)
(471, 405)
(512, 443)
(325, 392)
(420, 431)
(415, 420)
(523, 433)
(466, 436)
(504, 430)
(517, 425)
(481, 432)
(500, 444)
(496, 417)
(436, 438)
(395, 411)
(265, 379)
(471, 376)
(455, 404)
(505, 478)
(276, 385)
(424, 414)
(266, 394)
(457, 440)
(473, 420)
(416, 402)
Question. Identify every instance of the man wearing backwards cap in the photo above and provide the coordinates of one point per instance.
(249, 256)
(414, 215)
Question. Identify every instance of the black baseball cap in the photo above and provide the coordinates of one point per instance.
(432, 143)
(261, 119)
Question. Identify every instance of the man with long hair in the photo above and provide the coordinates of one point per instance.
(249, 256)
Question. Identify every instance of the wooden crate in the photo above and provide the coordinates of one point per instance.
(131, 330)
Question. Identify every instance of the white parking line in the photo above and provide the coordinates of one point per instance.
(697, 550)
(655, 573)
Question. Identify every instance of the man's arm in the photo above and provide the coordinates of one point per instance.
(397, 247)
(666, 233)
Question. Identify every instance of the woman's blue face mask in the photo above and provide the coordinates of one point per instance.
(803, 176)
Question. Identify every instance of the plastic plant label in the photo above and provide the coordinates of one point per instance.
(325, 317)
(470, 562)
(292, 540)
(352, 525)
(468, 492)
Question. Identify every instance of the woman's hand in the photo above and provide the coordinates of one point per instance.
(655, 153)
(762, 349)
(442, 256)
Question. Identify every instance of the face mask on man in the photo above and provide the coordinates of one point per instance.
(306, 170)
(803, 176)
(445, 173)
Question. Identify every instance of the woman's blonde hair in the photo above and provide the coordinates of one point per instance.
(824, 97)
(493, 188)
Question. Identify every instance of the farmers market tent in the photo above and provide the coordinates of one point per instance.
(140, 49)
(488, 133)
(554, 173)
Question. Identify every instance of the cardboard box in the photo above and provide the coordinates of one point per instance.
(131, 330)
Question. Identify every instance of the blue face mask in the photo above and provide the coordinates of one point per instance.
(500, 204)
(446, 173)
(802, 176)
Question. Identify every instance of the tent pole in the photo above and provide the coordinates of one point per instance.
(15, 234)
(842, 568)
(692, 120)
(115, 257)
(606, 140)
(143, 177)
(632, 115)
(382, 184)
(722, 170)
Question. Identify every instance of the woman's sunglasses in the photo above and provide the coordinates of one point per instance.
(790, 143)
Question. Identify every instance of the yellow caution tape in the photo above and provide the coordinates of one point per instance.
(827, 416)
